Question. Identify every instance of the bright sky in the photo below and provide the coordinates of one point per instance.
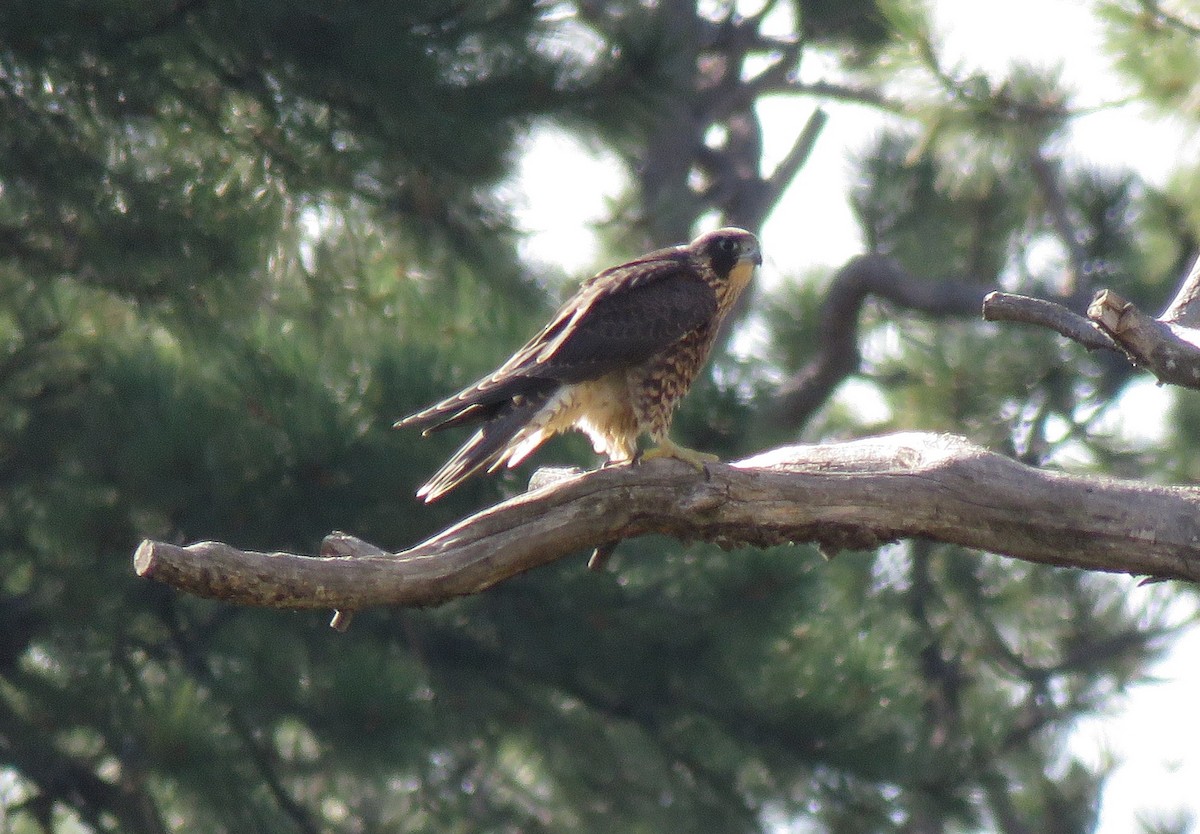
(1152, 732)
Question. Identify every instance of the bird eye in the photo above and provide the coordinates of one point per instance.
(728, 245)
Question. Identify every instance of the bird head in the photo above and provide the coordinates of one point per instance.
(729, 247)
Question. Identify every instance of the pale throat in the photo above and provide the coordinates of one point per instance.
(739, 277)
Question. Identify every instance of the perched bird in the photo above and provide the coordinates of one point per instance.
(614, 362)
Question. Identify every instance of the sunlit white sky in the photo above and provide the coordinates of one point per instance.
(1153, 732)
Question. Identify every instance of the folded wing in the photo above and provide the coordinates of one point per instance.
(618, 320)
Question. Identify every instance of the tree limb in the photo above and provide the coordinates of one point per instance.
(1168, 350)
(1003, 306)
(846, 495)
(787, 169)
(837, 334)
(1184, 309)
(1167, 346)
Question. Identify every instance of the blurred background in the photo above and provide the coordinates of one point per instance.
(237, 241)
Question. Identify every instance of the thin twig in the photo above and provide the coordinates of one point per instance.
(1173, 20)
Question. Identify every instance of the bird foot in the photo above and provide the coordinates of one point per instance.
(669, 449)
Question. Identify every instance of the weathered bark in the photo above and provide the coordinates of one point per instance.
(1167, 346)
(1010, 307)
(845, 495)
(1163, 346)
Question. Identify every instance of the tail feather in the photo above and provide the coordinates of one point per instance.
(474, 404)
(487, 448)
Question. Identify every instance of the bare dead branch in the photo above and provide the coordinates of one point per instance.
(794, 160)
(1002, 306)
(1167, 346)
(846, 495)
(861, 277)
(1184, 309)
(1168, 350)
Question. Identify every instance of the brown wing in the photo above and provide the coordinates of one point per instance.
(627, 328)
(620, 318)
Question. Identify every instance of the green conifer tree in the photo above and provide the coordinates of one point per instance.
(239, 240)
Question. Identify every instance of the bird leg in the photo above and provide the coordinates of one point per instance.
(667, 448)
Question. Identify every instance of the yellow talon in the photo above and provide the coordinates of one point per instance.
(668, 449)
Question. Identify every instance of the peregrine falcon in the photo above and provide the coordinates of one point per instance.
(614, 362)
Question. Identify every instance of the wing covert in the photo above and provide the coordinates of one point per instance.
(621, 315)
(626, 327)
